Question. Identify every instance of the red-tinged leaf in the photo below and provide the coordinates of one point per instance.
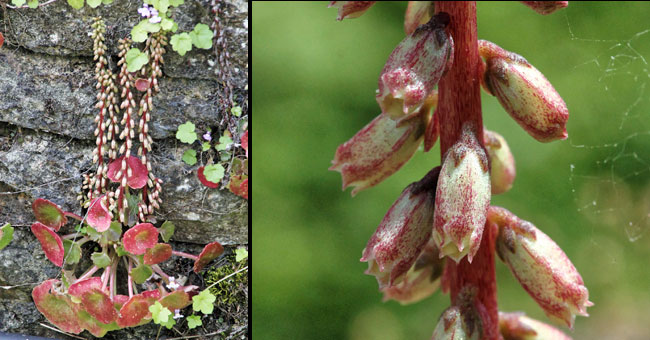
(151, 295)
(49, 213)
(133, 311)
(120, 300)
(204, 181)
(50, 242)
(141, 84)
(94, 326)
(58, 309)
(2, 39)
(244, 142)
(238, 185)
(79, 288)
(139, 173)
(176, 300)
(140, 238)
(209, 253)
(99, 305)
(98, 215)
(159, 253)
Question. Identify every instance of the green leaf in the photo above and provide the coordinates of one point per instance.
(32, 3)
(236, 111)
(194, 321)
(169, 324)
(94, 3)
(120, 251)
(175, 28)
(140, 31)
(214, 172)
(181, 43)
(72, 251)
(224, 143)
(76, 4)
(163, 5)
(135, 59)
(6, 235)
(225, 156)
(167, 230)
(18, 3)
(202, 36)
(113, 233)
(189, 157)
(141, 273)
(241, 254)
(107, 2)
(186, 133)
(205, 146)
(176, 3)
(159, 313)
(203, 302)
(100, 259)
(93, 234)
(166, 24)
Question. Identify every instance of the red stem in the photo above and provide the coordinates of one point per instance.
(460, 102)
(186, 255)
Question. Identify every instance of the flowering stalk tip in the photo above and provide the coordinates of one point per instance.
(462, 198)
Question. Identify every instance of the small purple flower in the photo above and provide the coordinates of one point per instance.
(154, 16)
(207, 136)
(177, 314)
(144, 11)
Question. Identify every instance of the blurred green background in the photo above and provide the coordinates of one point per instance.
(314, 84)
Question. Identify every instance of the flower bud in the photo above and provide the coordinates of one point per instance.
(414, 68)
(377, 151)
(422, 280)
(402, 234)
(417, 13)
(517, 326)
(541, 267)
(524, 93)
(462, 198)
(459, 322)
(545, 7)
(502, 164)
(351, 9)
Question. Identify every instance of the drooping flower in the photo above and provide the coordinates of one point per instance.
(545, 7)
(462, 198)
(351, 9)
(460, 321)
(518, 326)
(417, 13)
(414, 68)
(402, 234)
(524, 93)
(502, 163)
(377, 151)
(541, 267)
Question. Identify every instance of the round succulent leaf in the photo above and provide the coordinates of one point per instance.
(176, 300)
(158, 253)
(98, 215)
(238, 185)
(167, 230)
(77, 289)
(141, 273)
(57, 309)
(244, 142)
(49, 213)
(6, 235)
(139, 238)
(100, 259)
(134, 311)
(94, 326)
(50, 242)
(139, 172)
(209, 253)
(200, 174)
(99, 305)
(72, 251)
(141, 84)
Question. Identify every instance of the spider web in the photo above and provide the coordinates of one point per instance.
(610, 183)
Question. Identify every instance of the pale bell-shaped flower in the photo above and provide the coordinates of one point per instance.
(541, 267)
(351, 9)
(422, 280)
(461, 321)
(462, 198)
(377, 151)
(502, 163)
(524, 93)
(402, 234)
(545, 7)
(517, 326)
(417, 13)
(414, 68)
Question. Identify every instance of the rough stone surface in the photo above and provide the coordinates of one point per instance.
(46, 139)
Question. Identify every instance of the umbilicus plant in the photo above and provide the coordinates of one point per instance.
(442, 231)
(121, 195)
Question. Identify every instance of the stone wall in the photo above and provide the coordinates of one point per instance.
(47, 102)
